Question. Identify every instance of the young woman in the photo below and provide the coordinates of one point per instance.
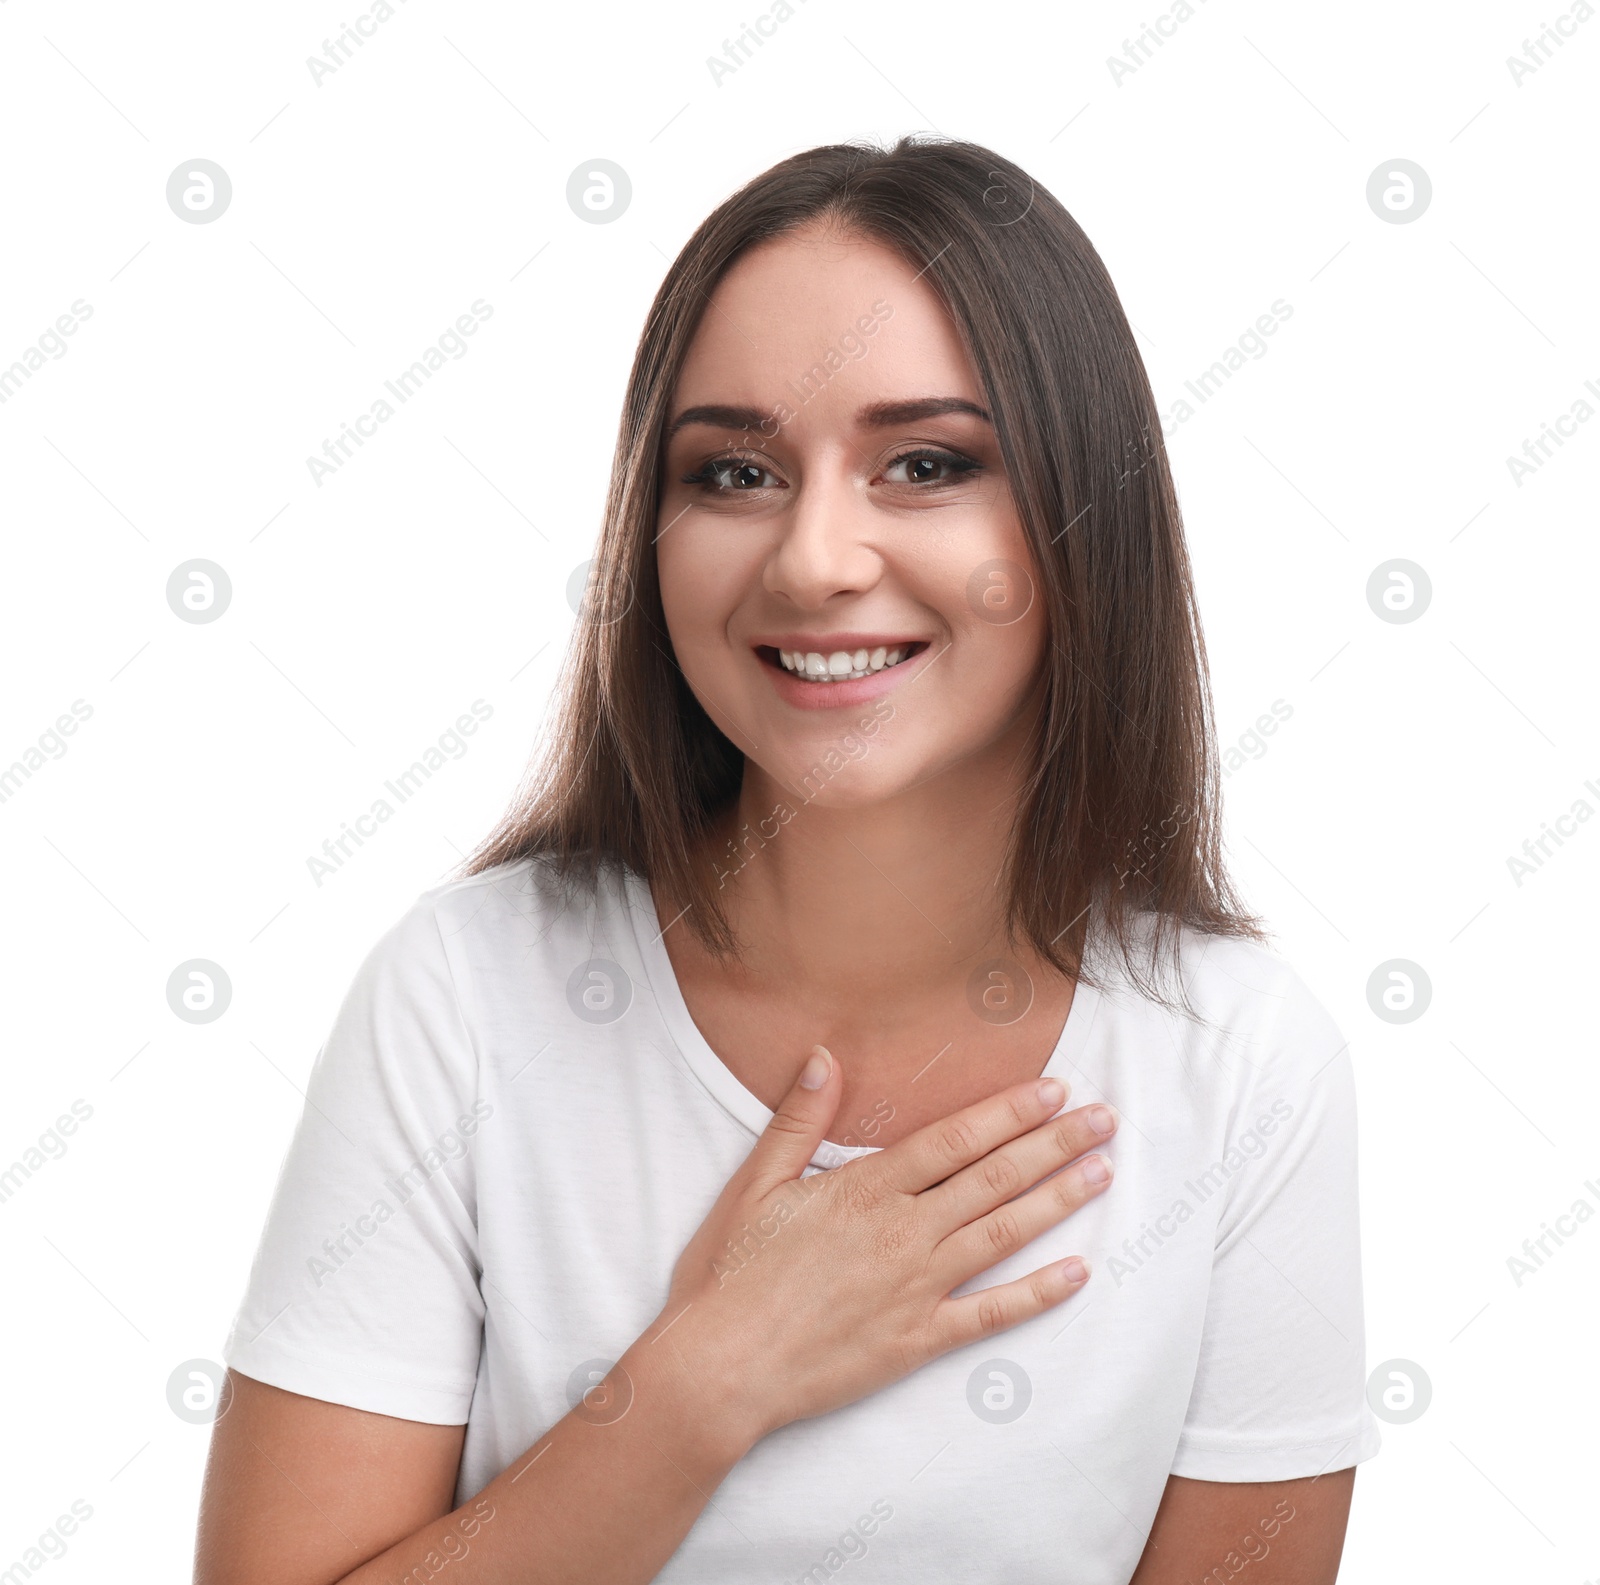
(689, 1191)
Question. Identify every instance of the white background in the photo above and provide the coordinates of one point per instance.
(370, 210)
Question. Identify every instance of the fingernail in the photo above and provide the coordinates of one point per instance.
(1074, 1270)
(1097, 1170)
(1102, 1119)
(1051, 1093)
(818, 1066)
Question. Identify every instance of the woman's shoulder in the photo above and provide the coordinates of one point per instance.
(1234, 988)
(510, 908)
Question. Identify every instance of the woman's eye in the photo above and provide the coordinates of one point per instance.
(731, 473)
(929, 467)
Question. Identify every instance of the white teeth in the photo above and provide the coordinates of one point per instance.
(841, 665)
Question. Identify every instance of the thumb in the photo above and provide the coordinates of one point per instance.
(798, 1126)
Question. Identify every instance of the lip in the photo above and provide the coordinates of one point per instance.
(838, 695)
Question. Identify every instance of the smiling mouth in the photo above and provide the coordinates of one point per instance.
(840, 665)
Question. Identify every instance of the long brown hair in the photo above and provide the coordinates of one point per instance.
(1118, 828)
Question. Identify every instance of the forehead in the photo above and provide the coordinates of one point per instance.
(815, 299)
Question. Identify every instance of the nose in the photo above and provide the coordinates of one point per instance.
(826, 548)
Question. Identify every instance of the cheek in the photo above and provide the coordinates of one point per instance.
(991, 595)
(704, 577)
(986, 568)
(1003, 663)
(1000, 626)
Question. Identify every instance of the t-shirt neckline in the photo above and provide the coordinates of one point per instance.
(743, 1104)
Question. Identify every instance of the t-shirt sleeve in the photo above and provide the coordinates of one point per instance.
(365, 1285)
(1280, 1391)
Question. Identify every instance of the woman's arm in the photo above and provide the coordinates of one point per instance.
(849, 1292)
(303, 1492)
(1290, 1531)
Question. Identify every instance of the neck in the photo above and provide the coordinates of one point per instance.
(877, 905)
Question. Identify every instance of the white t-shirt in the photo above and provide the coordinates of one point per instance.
(514, 1128)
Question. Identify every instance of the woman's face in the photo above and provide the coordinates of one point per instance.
(833, 496)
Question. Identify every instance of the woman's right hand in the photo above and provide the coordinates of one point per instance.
(799, 1295)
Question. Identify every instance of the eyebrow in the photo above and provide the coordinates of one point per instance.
(880, 415)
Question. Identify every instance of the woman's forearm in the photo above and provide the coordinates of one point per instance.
(604, 1497)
